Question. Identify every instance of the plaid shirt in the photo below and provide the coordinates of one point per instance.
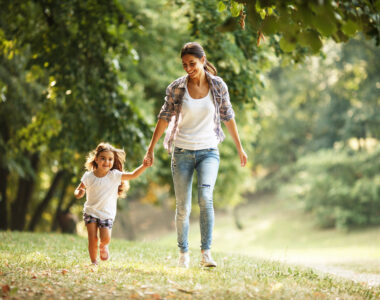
(171, 110)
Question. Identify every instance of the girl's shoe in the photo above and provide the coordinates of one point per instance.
(207, 260)
(104, 253)
(184, 260)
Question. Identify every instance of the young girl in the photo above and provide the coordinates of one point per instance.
(103, 183)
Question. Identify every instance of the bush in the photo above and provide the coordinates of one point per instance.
(340, 188)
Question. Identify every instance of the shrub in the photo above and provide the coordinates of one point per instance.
(340, 188)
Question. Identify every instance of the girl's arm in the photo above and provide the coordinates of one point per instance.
(158, 131)
(232, 128)
(134, 174)
(80, 191)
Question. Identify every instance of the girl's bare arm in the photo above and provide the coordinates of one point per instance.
(80, 191)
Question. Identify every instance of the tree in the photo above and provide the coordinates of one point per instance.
(299, 24)
(58, 59)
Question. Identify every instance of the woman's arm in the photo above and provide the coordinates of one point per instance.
(232, 128)
(80, 191)
(134, 174)
(158, 131)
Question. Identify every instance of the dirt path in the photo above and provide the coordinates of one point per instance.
(369, 279)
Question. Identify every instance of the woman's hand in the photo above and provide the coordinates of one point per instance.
(232, 128)
(149, 158)
(243, 157)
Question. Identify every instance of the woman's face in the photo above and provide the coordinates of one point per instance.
(193, 65)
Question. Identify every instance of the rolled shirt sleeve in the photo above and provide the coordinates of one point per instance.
(226, 111)
(167, 109)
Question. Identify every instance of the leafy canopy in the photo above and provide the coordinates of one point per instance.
(298, 24)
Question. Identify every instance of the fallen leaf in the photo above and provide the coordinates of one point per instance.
(186, 291)
(5, 288)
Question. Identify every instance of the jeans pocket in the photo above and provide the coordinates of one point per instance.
(178, 150)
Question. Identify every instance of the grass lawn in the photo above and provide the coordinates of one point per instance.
(56, 266)
(277, 229)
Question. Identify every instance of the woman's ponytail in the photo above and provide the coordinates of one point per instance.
(209, 67)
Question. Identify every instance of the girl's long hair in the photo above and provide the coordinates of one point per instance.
(194, 48)
(118, 163)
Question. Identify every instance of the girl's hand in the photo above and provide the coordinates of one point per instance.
(147, 163)
(243, 158)
(149, 159)
(79, 192)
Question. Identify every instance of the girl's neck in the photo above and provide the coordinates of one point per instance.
(99, 173)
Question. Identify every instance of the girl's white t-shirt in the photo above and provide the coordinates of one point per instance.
(196, 125)
(101, 194)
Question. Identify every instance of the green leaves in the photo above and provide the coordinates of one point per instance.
(270, 25)
(221, 6)
(350, 27)
(329, 19)
(310, 39)
(236, 8)
(287, 45)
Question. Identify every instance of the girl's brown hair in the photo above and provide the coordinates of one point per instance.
(193, 48)
(118, 163)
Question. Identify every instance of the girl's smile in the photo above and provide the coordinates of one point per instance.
(105, 161)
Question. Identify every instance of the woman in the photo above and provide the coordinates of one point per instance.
(194, 107)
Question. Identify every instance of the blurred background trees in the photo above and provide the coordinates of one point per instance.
(75, 73)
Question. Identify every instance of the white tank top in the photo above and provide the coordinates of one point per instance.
(196, 124)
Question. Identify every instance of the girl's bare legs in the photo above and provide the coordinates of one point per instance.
(105, 238)
(92, 230)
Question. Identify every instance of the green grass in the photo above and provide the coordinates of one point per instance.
(53, 266)
(276, 228)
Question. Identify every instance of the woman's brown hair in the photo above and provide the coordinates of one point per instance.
(118, 163)
(194, 48)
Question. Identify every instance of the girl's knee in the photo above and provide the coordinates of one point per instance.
(93, 239)
(105, 240)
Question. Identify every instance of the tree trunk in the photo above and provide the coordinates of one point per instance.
(67, 221)
(238, 223)
(45, 202)
(24, 195)
(62, 195)
(3, 199)
(4, 172)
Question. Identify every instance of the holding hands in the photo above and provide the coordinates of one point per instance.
(148, 159)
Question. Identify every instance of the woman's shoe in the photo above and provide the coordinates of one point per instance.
(184, 260)
(207, 260)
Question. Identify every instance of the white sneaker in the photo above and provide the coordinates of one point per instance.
(207, 260)
(184, 260)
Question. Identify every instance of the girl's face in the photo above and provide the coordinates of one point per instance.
(193, 65)
(105, 160)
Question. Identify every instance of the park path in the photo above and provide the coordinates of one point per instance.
(369, 279)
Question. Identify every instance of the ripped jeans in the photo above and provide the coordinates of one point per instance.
(206, 163)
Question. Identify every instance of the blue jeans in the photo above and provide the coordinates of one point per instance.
(206, 163)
